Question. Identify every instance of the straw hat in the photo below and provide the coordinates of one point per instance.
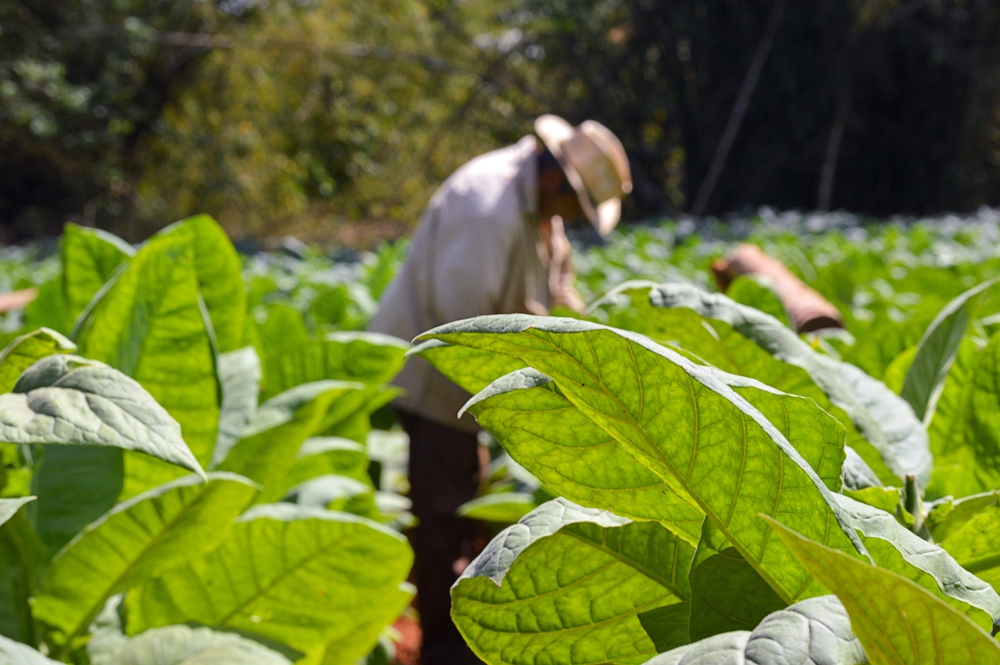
(595, 165)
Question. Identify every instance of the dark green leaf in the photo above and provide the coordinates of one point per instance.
(727, 594)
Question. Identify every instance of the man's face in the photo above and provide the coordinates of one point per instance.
(568, 207)
(559, 197)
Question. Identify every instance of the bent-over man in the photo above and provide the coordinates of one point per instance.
(490, 242)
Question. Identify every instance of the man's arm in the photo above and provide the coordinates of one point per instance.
(562, 277)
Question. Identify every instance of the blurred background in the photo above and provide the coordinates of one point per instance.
(335, 121)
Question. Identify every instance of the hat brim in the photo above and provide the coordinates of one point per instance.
(554, 131)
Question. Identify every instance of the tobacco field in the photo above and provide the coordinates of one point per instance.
(199, 465)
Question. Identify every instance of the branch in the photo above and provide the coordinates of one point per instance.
(740, 108)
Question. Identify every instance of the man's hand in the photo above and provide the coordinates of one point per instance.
(562, 291)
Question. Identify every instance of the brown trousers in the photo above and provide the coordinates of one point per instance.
(444, 474)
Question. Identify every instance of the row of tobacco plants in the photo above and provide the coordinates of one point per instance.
(176, 490)
(188, 472)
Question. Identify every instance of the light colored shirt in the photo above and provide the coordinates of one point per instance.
(476, 251)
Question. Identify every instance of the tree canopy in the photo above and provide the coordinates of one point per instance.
(290, 113)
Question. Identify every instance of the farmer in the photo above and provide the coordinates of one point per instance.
(490, 242)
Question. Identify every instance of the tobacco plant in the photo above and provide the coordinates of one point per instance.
(731, 492)
(153, 510)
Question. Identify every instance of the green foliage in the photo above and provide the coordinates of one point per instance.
(582, 577)
(90, 258)
(937, 350)
(637, 429)
(353, 569)
(137, 539)
(303, 114)
(665, 424)
(334, 111)
(894, 619)
(85, 568)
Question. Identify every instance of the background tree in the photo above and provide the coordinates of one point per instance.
(288, 116)
(80, 84)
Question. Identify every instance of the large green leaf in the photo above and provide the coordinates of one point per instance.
(470, 369)
(937, 349)
(545, 433)
(816, 630)
(566, 585)
(69, 400)
(267, 450)
(716, 342)
(966, 427)
(150, 326)
(897, 621)
(27, 349)
(96, 412)
(141, 537)
(346, 356)
(976, 545)
(90, 257)
(892, 546)
(239, 374)
(219, 277)
(183, 645)
(301, 576)
(697, 428)
(884, 418)
(613, 395)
